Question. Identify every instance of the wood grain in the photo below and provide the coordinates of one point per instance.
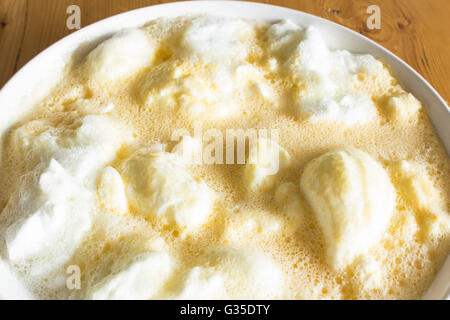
(13, 16)
(415, 30)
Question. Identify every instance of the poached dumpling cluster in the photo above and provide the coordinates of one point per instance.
(350, 200)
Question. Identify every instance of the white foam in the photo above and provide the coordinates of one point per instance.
(50, 221)
(353, 200)
(142, 279)
(120, 56)
(11, 287)
(235, 274)
(159, 187)
(111, 191)
(326, 77)
(201, 284)
(265, 159)
(82, 149)
(217, 39)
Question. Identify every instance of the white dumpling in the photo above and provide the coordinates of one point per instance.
(121, 56)
(266, 158)
(141, 279)
(157, 186)
(234, 274)
(50, 221)
(353, 200)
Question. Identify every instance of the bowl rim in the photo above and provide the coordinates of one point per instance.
(251, 10)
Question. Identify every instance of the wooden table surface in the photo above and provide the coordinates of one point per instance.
(418, 31)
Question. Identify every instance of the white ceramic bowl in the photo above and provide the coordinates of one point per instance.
(35, 79)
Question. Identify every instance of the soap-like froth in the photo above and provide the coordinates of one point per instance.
(353, 200)
(158, 187)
